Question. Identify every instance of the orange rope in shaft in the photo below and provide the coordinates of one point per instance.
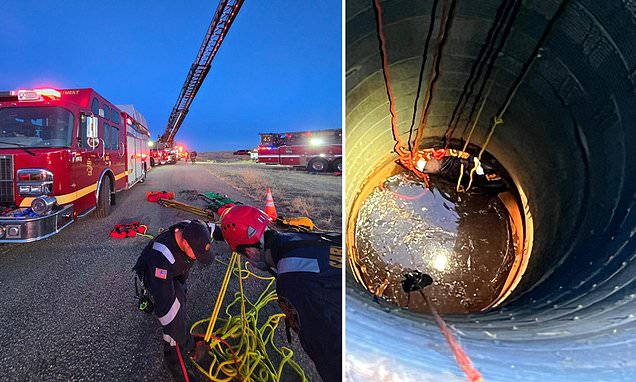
(402, 196)
(399, 145)
(462, 358)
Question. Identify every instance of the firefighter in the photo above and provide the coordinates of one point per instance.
(447, 165)
(163, 268)
(308, 270)
(193, 156)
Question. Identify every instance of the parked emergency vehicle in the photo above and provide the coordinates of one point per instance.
(181, 152)
(163, 154)
(63, 154)
(318, 150)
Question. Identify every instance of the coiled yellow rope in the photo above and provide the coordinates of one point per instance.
(249, 340)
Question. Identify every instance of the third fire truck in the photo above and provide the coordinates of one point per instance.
(317, 150)
(63, 154)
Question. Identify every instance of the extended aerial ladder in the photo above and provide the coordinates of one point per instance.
(221, 22)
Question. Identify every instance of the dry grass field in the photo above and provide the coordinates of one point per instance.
(296, 193)
(221, 157)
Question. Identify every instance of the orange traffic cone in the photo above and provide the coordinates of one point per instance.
(270, 209)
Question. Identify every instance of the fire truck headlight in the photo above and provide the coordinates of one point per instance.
(42, 205)
(315, 142)
(322, 155)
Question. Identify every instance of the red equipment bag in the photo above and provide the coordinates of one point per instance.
(122, 231)
(154, 196)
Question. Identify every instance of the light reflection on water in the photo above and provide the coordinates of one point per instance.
(464, 241)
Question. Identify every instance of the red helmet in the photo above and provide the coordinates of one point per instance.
(243, 225)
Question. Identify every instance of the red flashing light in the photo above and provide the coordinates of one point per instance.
(129, 121)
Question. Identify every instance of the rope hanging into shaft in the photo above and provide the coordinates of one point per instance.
(491, 64)
(447, 18)
(459, 187)
(431, 26)
(399, 145)
(535, 53)
(461, 357)
(444, 31)
(498, 118)
(478, 65)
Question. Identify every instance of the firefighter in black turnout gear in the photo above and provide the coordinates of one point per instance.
(163, 268)
(308, 269)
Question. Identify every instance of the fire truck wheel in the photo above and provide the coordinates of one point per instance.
(103, 203)
(336, 165)
(318, 165)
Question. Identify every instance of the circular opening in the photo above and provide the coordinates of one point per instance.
(473, 243)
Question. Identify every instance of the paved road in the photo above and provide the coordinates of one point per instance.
(67, 311)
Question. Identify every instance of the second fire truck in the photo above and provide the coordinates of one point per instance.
(317, 150)
(163, 153)
(64, 154)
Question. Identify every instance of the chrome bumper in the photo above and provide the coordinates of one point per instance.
(28, 229)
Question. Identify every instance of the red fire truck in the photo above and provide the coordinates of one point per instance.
(63, 154)
(163, 154)
(318, 150)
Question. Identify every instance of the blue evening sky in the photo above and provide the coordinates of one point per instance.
(279, 68)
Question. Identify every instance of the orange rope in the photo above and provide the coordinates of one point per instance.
(462, 358)
(399, 145)
(402, 196)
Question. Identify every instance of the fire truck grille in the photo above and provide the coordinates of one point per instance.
(6, 180)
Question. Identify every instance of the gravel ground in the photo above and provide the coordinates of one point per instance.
(68, 311)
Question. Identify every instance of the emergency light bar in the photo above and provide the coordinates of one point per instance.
(49, 93)
(36, 94)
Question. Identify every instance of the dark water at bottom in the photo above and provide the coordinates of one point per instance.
(465, 241)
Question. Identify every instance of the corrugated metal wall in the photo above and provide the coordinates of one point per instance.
(568, 139)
